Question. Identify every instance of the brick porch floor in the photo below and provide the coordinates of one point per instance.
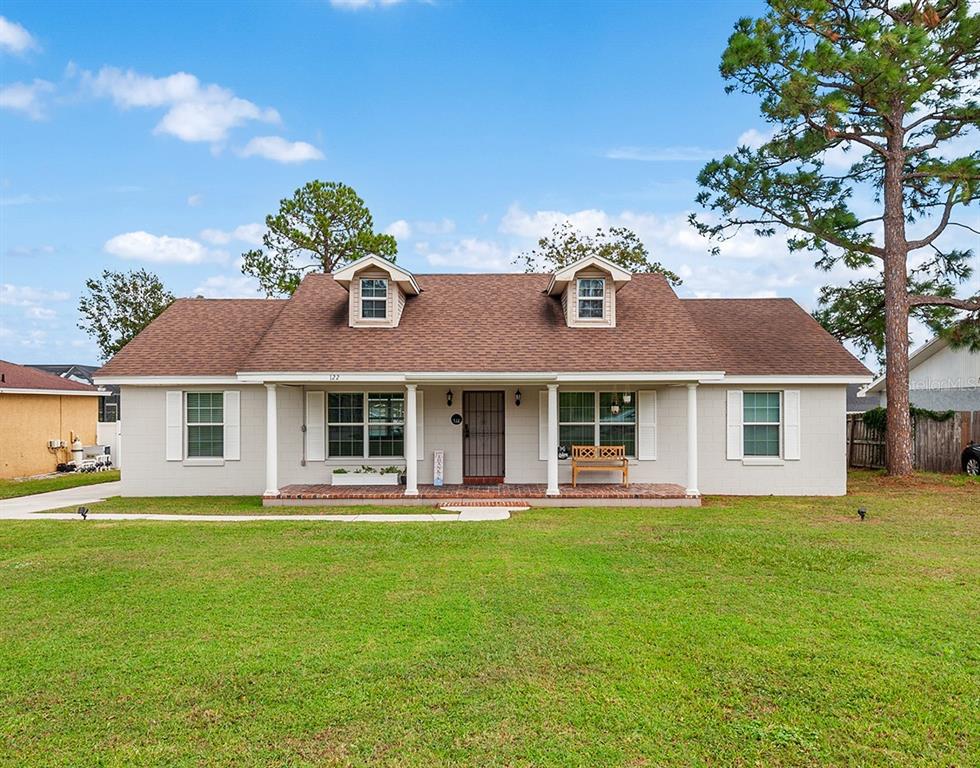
(585, 494)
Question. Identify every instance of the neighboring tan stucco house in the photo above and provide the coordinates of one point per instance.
(941, 378)
(36, 408)
(501, 373)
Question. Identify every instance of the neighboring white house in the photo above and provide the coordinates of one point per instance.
(941, 378)
(499, 373)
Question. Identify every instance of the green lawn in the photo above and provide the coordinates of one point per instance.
(11, 488)
(769, 632)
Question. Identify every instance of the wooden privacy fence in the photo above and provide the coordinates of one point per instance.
(936, 446)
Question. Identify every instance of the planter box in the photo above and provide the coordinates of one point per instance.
(363, 478)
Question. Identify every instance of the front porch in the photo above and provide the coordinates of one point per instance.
(504, 494)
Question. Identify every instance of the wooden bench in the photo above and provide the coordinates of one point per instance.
(604, 458)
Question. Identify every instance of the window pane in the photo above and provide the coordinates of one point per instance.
(374, 308)
(374, 289)
(591, 287)
(575, 434)
(589, 308)
(761, 407)
(345, 408)
(619, 434)
(346, 441)
(627, 412)
(205, 407)
(761, 440)
(386, 440)
(386, 408)
(205, 441)
(576, 406)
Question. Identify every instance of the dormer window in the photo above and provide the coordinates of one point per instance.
(374, 298)
(591, 298)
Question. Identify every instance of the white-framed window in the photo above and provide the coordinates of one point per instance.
(110, 412)
(597, 418)
(374, 298)
(356, 432)
(761, 420)
(205, 424)
(591, 298)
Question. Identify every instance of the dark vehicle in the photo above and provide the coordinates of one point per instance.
(971, 459)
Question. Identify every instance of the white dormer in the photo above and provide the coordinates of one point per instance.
(588, 291)
(377, 291)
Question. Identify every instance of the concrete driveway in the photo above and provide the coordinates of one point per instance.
(17, 509)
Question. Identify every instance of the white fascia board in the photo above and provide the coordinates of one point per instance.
(167, 381)
(762, 380)
(422, 377)
(60, 392)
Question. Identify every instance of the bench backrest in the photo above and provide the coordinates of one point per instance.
(598, 452)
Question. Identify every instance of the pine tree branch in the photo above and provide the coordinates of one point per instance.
(922, 300)
(914, 245)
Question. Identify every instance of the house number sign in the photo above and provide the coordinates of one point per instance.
(456, 419)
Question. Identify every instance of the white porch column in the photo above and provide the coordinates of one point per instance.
(271, 442)
(692, 440)
(552, 441)
(411, 442)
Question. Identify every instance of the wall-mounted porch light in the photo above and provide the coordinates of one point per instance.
(449, 399)
(517, 398)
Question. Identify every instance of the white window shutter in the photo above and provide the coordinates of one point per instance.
(315, 427)
(175, 421)
(647, 437)
(543, 425)
(420, 424)
(233, 425)
(791, 423)
(735, 436)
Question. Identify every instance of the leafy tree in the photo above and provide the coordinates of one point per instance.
(323, 226)
(893, 85)
(120, 305)
(566, 245)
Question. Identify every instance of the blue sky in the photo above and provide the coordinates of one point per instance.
(159, 136)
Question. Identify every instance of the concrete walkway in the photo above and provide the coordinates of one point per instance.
(14, 509)
(29, 507)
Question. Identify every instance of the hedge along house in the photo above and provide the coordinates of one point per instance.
(483, 382)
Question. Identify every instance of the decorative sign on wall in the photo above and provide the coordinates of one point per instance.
(456, 419)
(438, 467)
(563, 452)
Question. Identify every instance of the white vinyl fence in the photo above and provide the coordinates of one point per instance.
(110, 433)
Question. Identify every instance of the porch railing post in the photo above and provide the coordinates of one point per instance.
(411, 442)
(692, 440)
(552, 441)
(271, 442)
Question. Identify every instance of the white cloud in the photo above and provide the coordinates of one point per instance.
(14, 38)
(359, 5)
(142, 246)
(195, 200)
(400, 230)
(28, 296)
(26, 98)
(228, 287)
(195, 112)
(28, 251)
(469, 253)
(663, 154)
(282, 151)
(246, 233)
(40, 313)
(753, 138)
(404, 230)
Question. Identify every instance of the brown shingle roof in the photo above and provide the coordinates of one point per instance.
(196, 337)
(771, 337)
(491, 323)
(22, 377)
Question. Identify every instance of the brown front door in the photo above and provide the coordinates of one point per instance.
(483, 437)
